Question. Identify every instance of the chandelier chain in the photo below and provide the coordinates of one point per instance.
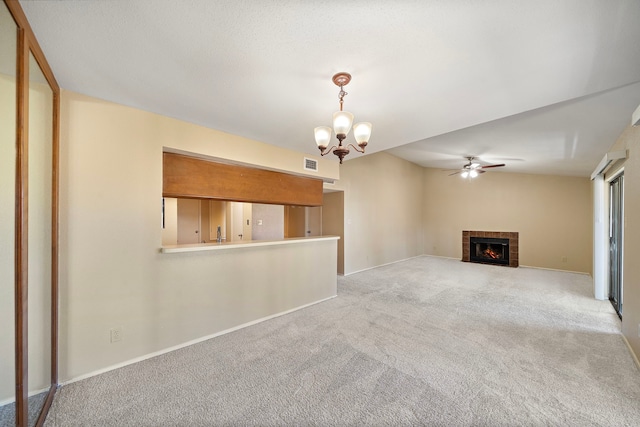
(341, 96)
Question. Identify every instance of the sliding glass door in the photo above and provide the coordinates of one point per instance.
(616, 219)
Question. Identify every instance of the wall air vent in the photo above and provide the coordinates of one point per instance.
(310, 165)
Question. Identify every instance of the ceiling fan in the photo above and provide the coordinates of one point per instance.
(472, 169)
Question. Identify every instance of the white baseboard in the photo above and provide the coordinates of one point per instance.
(381, 265)
(555, 269)
(188, 343)
(521, 265)
(633, 354)
(442, 257)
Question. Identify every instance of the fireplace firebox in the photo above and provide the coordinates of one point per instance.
(489, 250)
(491, 247)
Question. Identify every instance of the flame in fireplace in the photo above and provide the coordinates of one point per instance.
(490, 253)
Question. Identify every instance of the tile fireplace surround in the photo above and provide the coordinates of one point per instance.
(513, 243)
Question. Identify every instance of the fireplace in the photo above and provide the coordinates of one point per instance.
(491, 247)
(489, 250)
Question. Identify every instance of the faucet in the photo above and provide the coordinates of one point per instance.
(219, 235)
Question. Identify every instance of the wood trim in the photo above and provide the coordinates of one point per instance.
(45, 406)
(189, 177)
(55, 216)
(23, 23)
(21, 250)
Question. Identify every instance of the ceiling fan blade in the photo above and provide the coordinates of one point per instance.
(492, 166)
(480, 171)
(455, 173)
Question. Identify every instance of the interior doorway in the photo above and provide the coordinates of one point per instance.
(302, 221)
(313, 221)
(333, 221)
(616, 236)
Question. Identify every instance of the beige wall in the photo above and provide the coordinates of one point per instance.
(553, 215)
(294, 221)
(111, 271)
(267, 222)
(382, 210)
(630, 140)
(333, 221)
(205, 226)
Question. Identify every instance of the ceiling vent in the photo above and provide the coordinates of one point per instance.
(310, 165)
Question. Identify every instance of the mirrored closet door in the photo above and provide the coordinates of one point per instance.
(29, 127)
(40, 242)
(8, 156)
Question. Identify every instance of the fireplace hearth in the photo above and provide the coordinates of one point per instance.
(491, 247)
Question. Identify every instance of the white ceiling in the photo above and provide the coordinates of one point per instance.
(544, 86)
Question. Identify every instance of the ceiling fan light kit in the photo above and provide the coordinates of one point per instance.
(472, 169)
(342, 121)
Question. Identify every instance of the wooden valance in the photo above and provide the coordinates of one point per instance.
(189, 177)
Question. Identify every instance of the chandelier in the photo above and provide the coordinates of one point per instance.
(342, 121)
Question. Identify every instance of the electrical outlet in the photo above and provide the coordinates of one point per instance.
(116, 334)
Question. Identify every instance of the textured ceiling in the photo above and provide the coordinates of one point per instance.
(544, 86)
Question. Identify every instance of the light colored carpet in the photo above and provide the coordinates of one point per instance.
(427, 341)
(34, 405)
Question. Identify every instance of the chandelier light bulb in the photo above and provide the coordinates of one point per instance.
(464, 174)
(342, 121)
(473, 174)
(323, 135)
(362, 132)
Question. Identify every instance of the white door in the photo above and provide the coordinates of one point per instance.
(188, 221)
(313, 221)
(236, 229)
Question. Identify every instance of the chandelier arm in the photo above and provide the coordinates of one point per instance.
(356, 148)
(327, 150)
